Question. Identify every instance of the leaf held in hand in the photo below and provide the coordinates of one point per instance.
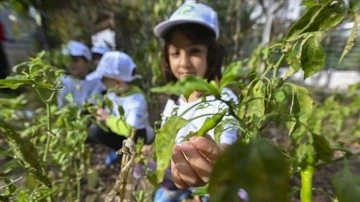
(164, 142)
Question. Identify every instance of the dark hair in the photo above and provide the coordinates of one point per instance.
(73, 57)
(197, 34)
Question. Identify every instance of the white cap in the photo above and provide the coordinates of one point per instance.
(75, 48)
(190, 12)
(100, 48)
(116, 65)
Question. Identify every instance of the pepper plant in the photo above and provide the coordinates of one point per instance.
(44, 140)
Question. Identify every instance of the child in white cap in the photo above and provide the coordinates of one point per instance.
(116, 71)
(191, 48)
(75, 84)
(98, 50)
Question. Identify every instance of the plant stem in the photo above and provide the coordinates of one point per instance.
(277, 65)
(78, 185)
(48, 137)
(48, 114)
(307, 173)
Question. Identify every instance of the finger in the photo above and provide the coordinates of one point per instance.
(201, 165)
(186, 172)
(179, 182)
(207, 146)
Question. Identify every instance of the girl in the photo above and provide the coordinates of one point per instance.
(191, 48)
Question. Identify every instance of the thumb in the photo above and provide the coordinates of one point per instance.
(207, 146)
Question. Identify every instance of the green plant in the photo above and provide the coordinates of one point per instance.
(48, 143)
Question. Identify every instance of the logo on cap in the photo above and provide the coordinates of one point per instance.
(186, 9)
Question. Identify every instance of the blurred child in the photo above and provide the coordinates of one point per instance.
(191, 48)
(98, 50)
(116, 71)
(75, 84)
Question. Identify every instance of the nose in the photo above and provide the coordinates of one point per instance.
(184, 60)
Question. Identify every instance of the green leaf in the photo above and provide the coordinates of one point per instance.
(200, 191)
(354, 5)
(347, 185)
(251, 167)
(9, 165)
(352, 38)
(210, 123)
(330, 15)
(312, 56)
(309, 3)
(301, 110)
(322, 148)
(300, 26)
(318, 18)
(293, 59)
(255, 58)
(304, 105)
(219, 129)
(187, 86)
(26, 153)
(14, 82)
(164, 142)
(231, 73)
(256, 107)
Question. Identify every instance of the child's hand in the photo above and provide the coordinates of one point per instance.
(101, 114)
(192, 161)
(147, 150)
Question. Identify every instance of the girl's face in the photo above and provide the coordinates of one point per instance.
(79, 67)
(186, 58)
(110, 82)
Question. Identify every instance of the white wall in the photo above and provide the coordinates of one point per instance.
(329, 79)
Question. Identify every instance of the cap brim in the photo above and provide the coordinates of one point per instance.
(163, 27)
(75, 53)
(94, 75)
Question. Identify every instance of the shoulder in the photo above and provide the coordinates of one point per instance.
(169, 106)
(67, 80)
(137, 97)
(136, 100)
(93, 81)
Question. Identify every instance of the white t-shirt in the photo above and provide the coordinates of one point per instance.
(135, 111)
(80, 89)
(208, 109)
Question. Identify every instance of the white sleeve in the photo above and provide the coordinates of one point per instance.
(61, 96)
(137, 114)
(169, 107)
(229, 136)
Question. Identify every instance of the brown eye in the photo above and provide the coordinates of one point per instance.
(195, 51)
(174, 53)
